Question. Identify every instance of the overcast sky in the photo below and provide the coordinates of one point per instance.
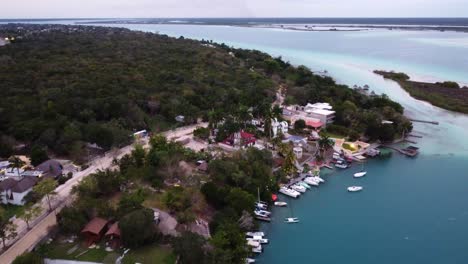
(231, 8)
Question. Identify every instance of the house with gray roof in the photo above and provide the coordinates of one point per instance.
(50, 168)
(13, 192)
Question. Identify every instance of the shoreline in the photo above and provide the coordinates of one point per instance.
(446, 95)
(313, 27)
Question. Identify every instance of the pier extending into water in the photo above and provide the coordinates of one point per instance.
(425, 121)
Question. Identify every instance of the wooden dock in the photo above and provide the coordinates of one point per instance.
(424, 121)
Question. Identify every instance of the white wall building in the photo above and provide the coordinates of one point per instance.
(13, 192)
(278, 127)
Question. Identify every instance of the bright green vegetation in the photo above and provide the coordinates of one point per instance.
(447, 95)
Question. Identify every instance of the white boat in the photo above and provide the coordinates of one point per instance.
(249, 260)
(360, 174)
(341, 166)
(257, 249)
(289, 192)
(305, 185)
(311, 181)
(260, 240)
(262, 213)
(298, 188)
(317, 178)
(292, 220)
(354, 188)
(281, 204)
(261, 205)
(255, 234)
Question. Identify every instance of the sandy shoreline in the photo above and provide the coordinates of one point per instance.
(355, 27)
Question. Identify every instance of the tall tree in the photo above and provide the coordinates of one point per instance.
(289, 165)
(138, 228)
(189, 247)
(7, 229)
(46, 188)
(30, 212)
(38, 155)
(17, 163)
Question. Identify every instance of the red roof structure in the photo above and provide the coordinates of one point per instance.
(113, 235)
(314, 124)
(94, 230)
(241, 138)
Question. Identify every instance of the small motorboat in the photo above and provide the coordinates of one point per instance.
(304, 184)
(311, 181)
(257, 249)
(260, 240)
(249, 260)
(281, 204)
(292, 220)
(360, 174)
(253, 234)
(355, 188)
(341, 165)
(298, 188)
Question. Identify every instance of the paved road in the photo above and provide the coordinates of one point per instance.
(41, 229)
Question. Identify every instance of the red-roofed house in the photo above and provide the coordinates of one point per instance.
(113, 235)
(94, 230)
(240, 139)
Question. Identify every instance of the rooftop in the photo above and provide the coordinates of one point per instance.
(95, 226)
(322, 112)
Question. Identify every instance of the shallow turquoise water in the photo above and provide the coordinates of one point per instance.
(411, 210)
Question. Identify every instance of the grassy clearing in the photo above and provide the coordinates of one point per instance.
(150, 254)
(59, 250)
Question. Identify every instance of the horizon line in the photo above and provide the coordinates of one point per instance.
(229, 17)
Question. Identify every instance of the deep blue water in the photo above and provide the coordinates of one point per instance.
(411, 210)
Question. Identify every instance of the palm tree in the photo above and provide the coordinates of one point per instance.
(17, 163)
(324, 143)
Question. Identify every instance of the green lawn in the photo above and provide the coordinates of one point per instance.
(331, 135)
(150, 254)
(57, 250)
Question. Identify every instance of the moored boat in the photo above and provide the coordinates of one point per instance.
(281, 204)
(289, 192)
(360, 174)
(318, 179)
(249, 260)
(305, 185)
(291, 220)
(298, 188)
(311, 181)
(355, 188)
(252, 234)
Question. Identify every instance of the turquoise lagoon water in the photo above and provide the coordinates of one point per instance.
(411, 210)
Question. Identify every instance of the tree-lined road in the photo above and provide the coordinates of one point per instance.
(41, 229)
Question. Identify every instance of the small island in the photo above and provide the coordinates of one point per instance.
(447, 95)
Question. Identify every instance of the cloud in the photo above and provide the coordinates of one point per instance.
(232, 8)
